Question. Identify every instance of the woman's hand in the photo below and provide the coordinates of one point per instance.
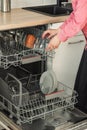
(53, 44)
(52, 34)
(49, 33)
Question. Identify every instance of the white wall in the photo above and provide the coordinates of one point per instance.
(47, 2)
(27, 3)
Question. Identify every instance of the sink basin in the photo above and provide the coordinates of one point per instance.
(51, 10)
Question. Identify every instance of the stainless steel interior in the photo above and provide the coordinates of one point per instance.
(62, 120)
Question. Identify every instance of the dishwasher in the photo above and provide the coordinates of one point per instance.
(21, 99)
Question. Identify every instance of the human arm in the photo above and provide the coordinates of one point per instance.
(52, 35)
(71, 26)
(75, 22)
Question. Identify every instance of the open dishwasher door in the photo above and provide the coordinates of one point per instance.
(65, 62)
(65, 120)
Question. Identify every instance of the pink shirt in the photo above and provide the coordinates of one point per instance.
(77, 21)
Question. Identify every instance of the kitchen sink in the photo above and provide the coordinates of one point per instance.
(51, 10)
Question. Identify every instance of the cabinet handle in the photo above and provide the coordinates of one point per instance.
(76, 42)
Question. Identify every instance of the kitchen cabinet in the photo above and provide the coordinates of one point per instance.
(67, 58)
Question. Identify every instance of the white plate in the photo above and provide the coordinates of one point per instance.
(55, 85)
(48, 82)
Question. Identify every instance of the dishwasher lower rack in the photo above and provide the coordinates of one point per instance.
(40, 106)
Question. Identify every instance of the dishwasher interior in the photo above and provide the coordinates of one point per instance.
(21, 98)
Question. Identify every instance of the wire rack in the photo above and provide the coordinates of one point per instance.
(24, 99)
(13, 49)
(29, 104)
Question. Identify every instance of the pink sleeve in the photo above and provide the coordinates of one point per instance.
(76, 21)
(67, 20)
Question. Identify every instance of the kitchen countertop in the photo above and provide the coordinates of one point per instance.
(19, 18)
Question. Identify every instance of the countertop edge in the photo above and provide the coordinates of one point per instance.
(19, 18)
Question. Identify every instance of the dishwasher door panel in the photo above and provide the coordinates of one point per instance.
(67, 59)
(64, 120)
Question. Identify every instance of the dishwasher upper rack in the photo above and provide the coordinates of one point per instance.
(40, 106)
(24, 57)
(17, 53)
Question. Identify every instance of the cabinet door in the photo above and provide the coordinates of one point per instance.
(67, 58)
